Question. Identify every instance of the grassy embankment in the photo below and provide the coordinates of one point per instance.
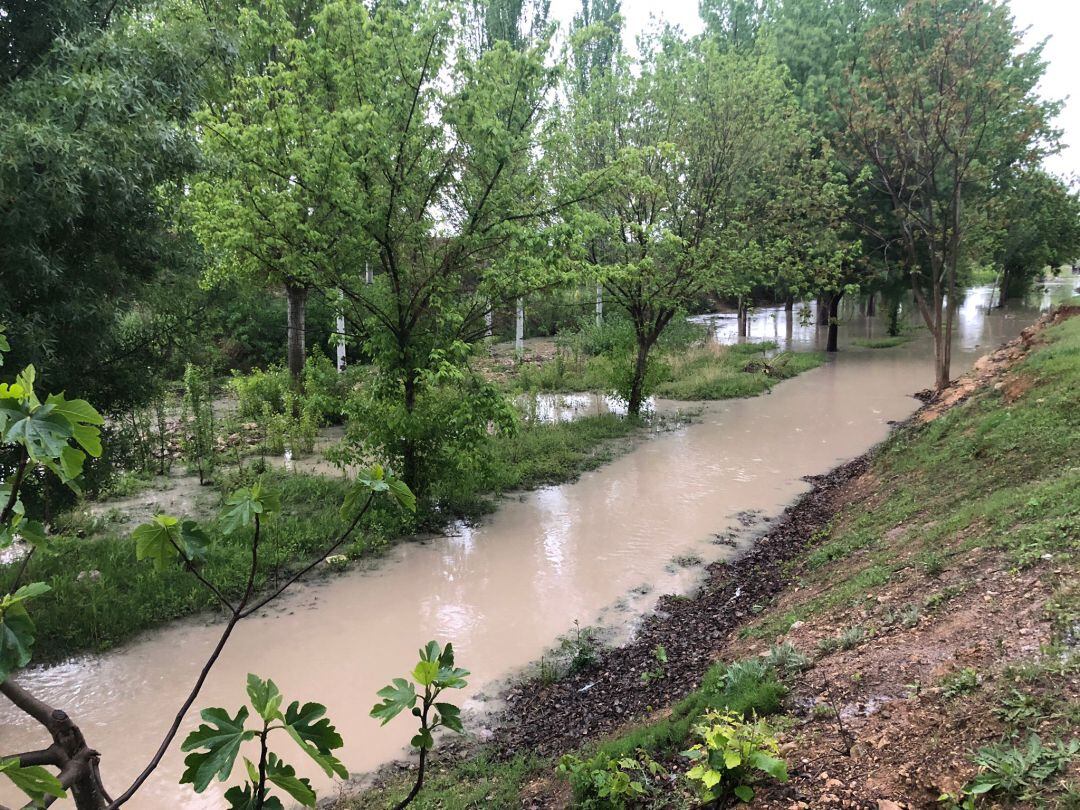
(937, 614)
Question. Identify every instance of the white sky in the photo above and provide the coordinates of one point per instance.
(1057, 19)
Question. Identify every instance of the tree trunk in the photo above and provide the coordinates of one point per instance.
(599, 305)
(742, 318)
(296, 296)
(822, 304)
(894, 314)
(410, 460)
(871, 304)
(637, 386)
(789, 318)
(834, 321)
(1012, 285)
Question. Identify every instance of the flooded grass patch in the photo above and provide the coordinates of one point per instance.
(100, 598)
(882, 342)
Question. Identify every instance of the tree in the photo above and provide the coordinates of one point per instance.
(699, 145)
(941, 94)
(1039, 226)
(95, 101)
(376, 137)
(248, 213)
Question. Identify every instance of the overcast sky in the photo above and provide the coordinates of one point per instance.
(1057, 19)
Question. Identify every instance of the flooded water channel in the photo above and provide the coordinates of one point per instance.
(504, 591)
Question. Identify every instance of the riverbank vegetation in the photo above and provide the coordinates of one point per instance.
(921, 645)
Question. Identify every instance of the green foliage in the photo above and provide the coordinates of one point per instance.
(215, 746)
(960, 683)
(199, 440)
(602, 782)
(657, 672)
(729, 372)
(747, 688)
(16, 628)
(882, 343)
(481, 780)
(55, 436)
(260, 390)
(786, 659)
(287, 418)
(1038, 226)
(95, 106)
(123, 601)
(1018, 772)
(434, 673)
(166, 538)
(33, 780)
(723, 208)
(730, 751)
(581, 649)
(442, 435)
(328, 157)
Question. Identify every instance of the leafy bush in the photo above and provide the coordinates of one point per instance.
(1015, 772)
(603, 782)
(786, 659)
(730, 751)
(259, 390)
(960, 683)
(324, 391)
(438, 439)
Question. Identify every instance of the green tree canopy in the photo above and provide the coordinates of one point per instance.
(94, 102)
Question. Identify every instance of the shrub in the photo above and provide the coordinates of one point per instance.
(611, 782)
(960, 683)
(1018, 772)
(260, 391)
(730, 752)
(786, 659)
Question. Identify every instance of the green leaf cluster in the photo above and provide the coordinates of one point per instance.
(33, 780)
(216, 744)
(434, 672)
(603, 781)
(730, 751)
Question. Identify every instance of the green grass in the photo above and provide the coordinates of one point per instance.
(989, 473)
(538, 455)
(882, 342)
(482, 781)
(126, 597)
(692, 373)
(743, 370)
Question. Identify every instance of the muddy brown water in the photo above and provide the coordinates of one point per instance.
(504, 591)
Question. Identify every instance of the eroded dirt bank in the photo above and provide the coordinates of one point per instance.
(932, 628)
